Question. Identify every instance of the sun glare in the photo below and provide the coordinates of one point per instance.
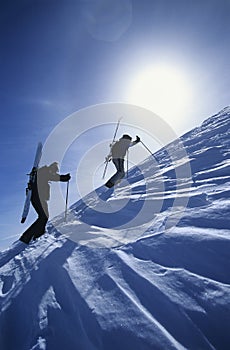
(162, 89)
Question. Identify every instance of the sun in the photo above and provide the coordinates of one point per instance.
(162, 89)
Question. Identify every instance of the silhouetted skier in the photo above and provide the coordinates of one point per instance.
(118, 152)
(39, 198)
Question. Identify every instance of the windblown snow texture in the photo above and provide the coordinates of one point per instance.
(168, 289)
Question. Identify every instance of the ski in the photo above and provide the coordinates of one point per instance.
(32, 176)
(114, 138)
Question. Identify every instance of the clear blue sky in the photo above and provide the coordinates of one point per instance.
(58, 56)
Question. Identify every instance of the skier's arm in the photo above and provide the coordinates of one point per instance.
(57, 177)
(108, 158)
(133, 143)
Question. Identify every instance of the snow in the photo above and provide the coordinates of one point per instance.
(144, 267)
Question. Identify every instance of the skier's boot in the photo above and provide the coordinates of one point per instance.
(109, 184)
(25, 239)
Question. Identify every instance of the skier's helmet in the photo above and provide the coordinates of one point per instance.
(125, 136)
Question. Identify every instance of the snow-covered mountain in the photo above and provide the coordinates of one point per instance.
(145, 268)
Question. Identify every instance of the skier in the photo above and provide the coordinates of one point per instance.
(117, 154)
(40, 195)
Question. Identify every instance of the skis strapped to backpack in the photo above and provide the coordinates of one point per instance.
(32, 177)
(114, 137)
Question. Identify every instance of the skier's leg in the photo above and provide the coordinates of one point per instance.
(38, 227)
(43, 215)
(120, 171)
(119, 164)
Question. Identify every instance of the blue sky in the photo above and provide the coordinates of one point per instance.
(58, 56)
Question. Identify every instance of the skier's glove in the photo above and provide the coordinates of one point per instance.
(108, 159)
(137, 139)
(65, 178)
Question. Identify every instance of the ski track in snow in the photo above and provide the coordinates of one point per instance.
(155, 286)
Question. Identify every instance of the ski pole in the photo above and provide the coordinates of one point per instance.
(66, 200)
(146, 147)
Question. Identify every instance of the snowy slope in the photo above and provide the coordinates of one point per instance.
(146, 269)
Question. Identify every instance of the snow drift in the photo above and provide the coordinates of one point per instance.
(162, 282)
